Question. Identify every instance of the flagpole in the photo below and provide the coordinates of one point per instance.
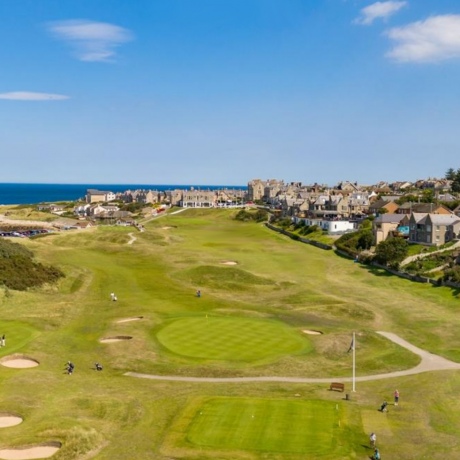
(354, 361)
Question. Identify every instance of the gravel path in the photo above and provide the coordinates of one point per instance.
(428, 363)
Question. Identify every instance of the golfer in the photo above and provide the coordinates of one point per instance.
(373, 439)
(396, 397)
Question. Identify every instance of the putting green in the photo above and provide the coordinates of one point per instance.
(231, 338)
(284, 426)
(17, 335)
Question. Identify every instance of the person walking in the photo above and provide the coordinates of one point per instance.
(3, 341)
(396, 397)
(373, 439)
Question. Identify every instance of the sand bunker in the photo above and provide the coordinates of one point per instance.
(229, 262)
(310, 332)
(19, 362)
(117, 338)
(134, 318)
(44, 450)
(7, 420)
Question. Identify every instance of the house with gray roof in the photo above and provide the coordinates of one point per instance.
(433, 229)
(387, 224)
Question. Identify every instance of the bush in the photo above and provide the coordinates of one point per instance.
(258, 216)
(9, 249)
(391, 252)
(19, 271)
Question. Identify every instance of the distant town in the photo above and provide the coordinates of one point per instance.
(424, 212)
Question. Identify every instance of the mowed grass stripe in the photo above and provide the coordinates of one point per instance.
(231, 338)
(306, 427)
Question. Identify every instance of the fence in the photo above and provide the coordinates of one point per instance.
(298, 238)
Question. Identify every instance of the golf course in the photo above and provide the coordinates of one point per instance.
(241, 372)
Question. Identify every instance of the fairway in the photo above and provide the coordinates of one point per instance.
(237, 352)
(231, 338)
(283, 426)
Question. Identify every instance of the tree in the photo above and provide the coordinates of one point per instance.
(455, 187)
(450, 174)
(365, 240)
(391, 252)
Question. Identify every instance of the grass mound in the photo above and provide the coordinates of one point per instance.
(227, 277)
(231, 339)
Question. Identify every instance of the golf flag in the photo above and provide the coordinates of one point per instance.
(352, 344)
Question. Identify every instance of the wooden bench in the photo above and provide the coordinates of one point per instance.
(337, 386)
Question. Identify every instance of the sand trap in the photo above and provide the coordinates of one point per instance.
(19, 362)
(7, 420)
(117, 338)
(166, 228)
(134, 318)
(229, 262)
(44, 450)
(308, 331)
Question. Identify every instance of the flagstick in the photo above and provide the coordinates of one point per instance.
(354, 361)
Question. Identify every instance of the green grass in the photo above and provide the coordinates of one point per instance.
(309, 427)
(231, 339)
(17, 336)
(277, 289)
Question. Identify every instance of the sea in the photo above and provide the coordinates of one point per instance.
(21, 193)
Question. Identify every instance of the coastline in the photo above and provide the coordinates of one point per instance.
(34, 193)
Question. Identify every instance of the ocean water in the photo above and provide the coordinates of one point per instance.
(51, 193)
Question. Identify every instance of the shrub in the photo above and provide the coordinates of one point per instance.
(19, 271)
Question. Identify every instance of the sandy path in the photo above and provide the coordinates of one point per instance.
(25, 222)
(428, 363)
(132, 238)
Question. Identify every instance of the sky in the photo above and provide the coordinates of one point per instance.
(226, 91)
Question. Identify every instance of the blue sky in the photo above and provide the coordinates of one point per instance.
(224, 91)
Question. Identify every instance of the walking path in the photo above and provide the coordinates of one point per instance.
(409, 259)
(428, 363)
(132, 238)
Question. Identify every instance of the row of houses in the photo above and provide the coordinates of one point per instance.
(99, 211)
(266, 190)
(420, 228)
(196, 198)
(344, 201)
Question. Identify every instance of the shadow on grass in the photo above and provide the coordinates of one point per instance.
(366, 446)
(343, 256)
(376, 271)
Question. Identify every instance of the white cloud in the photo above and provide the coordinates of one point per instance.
(29, 96)
(377, 10)
(435, 39)
(92, 41)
